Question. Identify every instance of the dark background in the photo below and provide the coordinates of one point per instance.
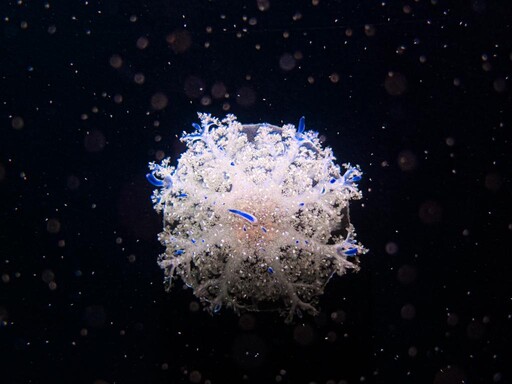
(415, 92)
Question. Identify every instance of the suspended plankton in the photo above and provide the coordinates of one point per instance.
(256, 216)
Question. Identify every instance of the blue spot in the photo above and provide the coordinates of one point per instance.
(217, 308)
(197, 126)
(193, 241)
(182, 195)
(179, 252)
(264, 229)
(153, 180)
(332, 181)
(247, 216)
(296, 241)
(232, 163)
(356, 178)
(322, 192)
(270, 270)
(301, 204)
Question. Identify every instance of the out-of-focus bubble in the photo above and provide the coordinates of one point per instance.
(194, 87)
(52, 285)
(391, 248)
(456, 82)
(17, 122)
(95, 316)
(132, 258)
(499, 85)
(406, 274)
(478, 5)
(263, 5)
(286, 62)
(47, 276)
(338, 316)
(253, 21)
(245, 96)
(331, 337)
(315, 2)
(334, 78)
(369, 30)
(4, 314)
(139, 78)
(395, 83)
(297, 16)
(2, 172)
(493, 181)
(180, 41)
(407, 161)
(450, 141)
(94, 141)
(194, 306)
(311, 80)
(118, 99)
(116, 61)
(408, 312)
(407, 9)
(52, 29)
(159, 155)
(206, 100)
(412, 351)
(159, 101)
(5, 278)
(303, 335)
(486, 66)
(218, 90)
(53, 226)
(423, 59)
(142, 42)
(430, 212)
(73, 182)
(247, 322)
(195, 377)
(475, 330)
(349, 32)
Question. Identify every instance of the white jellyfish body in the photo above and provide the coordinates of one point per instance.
(255, 216)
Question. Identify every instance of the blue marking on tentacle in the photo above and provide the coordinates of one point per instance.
(350, 251)
(302, 125)
(167, 182)
(350, 178)
(182, 195)
(270, 270)
(153, 180)
(247, 216)
(179, 252)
